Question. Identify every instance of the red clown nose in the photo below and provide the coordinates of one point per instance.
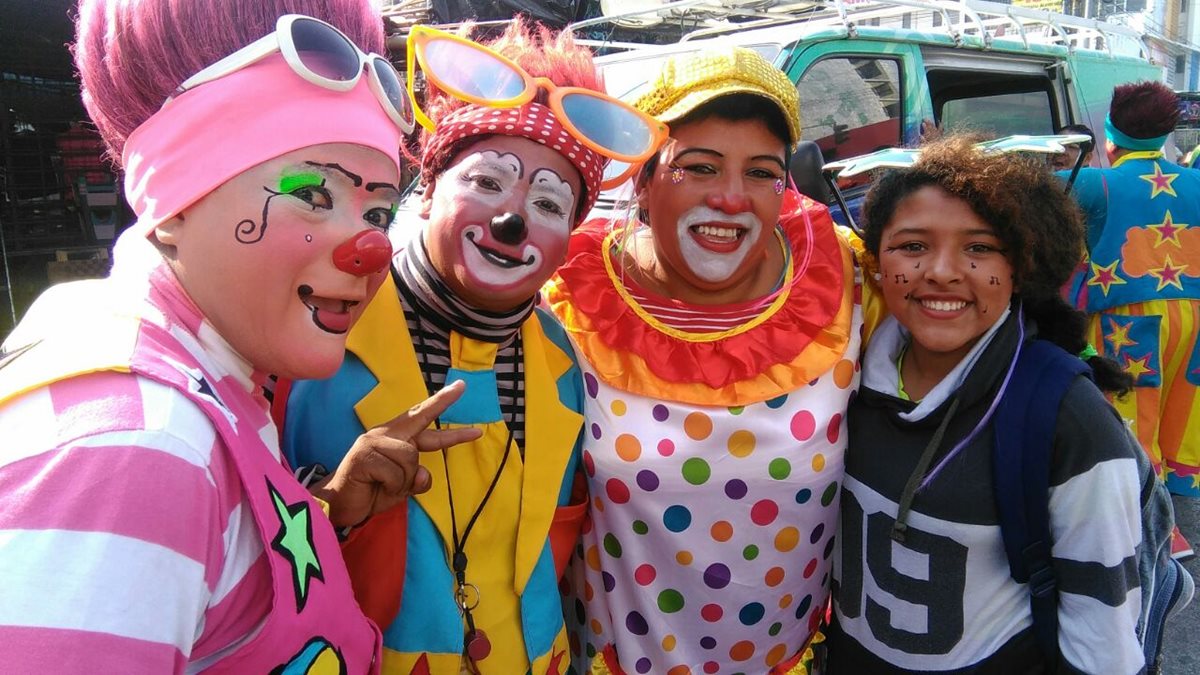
(365, 253)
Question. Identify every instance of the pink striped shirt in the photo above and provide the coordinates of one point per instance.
(126, 541)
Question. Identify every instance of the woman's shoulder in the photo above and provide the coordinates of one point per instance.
(1089, 432)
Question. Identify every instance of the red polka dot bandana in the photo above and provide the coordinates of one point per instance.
(533, 121)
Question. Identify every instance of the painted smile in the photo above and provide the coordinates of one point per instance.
(331, 315)
(497, 258)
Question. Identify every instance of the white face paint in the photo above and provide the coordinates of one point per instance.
(489, 181)
(500, 269)
(714, 266)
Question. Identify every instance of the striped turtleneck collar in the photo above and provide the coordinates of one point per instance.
(435, 302)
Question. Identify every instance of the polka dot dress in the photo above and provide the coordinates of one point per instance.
(712, 528)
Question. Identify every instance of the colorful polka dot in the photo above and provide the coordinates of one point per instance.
(736, 489)
(589, 464)
(696, 471)
(750, 552)
(697, 426)
(645, 574)
(610, 582)
(803, 495)
(810, 568)
(785, 601)
(593, 386)
(711, 667)
(618, 492)
(643, 665)
(777, 402)
(666, 447)
(660, 413)
(677, 518)
(843, 373)
(736, 410)
(786, 539)
(818, 462)
(629, 448)
(618, 407)
(802, 608)
(776, 654)
(612, 546)
(803, 425)
(779, 468)
(742, 651)
(708, 642)
(712, 613)
(593, 558)
(647, 480)
(596, 433)
(835, 427)
(640, 527)
(741, 443)
(721, 531)
(829, 493)
(680, 670)
(773, 577)
(670, 601)
(668, 643)
(636, 623)
(816, 533)
(717, 576)
(751, 614)
(684, 558)
(764, 512)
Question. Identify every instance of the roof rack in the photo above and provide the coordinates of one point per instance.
(970, 23)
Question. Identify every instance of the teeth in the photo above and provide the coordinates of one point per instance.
(943, 305)
(717, 232)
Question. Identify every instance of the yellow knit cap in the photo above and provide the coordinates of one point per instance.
(689, 80)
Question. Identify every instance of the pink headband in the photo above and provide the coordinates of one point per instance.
(214, 132)
(533, 121)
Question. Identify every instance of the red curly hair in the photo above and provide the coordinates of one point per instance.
(1144, 109)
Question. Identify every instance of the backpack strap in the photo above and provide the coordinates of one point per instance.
(1024, 427)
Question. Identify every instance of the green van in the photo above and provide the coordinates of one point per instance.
(869, 72)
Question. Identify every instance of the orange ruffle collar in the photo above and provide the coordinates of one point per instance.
(799, 336)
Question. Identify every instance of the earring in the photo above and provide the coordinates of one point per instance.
(778, 186)
(676, 175)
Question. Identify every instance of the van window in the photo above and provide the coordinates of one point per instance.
(1001, 114)
(851, 105)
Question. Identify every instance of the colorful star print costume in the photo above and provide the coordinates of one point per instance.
(139, 451)
(713, 462)
(399, 559)
(1142, 288)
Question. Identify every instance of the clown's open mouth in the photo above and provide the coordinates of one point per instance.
(497, 258)
(718, 233)
(329, 314)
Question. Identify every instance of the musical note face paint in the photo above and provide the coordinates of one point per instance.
(256, 254)
(499, 219)
(948, 278)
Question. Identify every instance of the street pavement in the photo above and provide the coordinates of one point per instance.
(1181, 645)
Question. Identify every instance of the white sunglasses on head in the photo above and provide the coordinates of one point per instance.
(322, 55)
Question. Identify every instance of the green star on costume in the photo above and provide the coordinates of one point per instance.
(294, 542)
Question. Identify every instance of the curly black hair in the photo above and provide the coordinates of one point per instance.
(1039, 223)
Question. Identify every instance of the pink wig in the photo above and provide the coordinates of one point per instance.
(1144, 109)
(541, 51)
(132, 54)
